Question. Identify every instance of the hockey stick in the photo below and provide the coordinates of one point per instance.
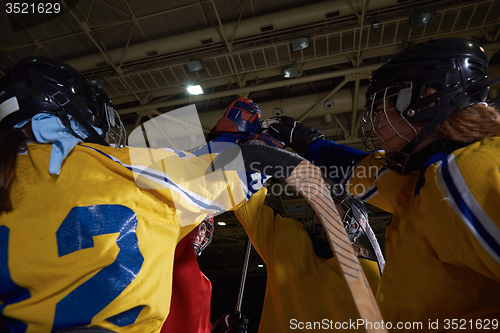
(376, 246)
(226, 322)
(307, 179)
(244, 270)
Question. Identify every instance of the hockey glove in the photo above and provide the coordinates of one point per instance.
(240, 120)
(292, 133)
(235, 322)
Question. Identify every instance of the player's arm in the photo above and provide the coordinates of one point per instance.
(258, 221)
(352, 168)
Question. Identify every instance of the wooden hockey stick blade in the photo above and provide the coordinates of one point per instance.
(307, 179)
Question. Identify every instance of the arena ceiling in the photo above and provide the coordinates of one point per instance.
(138, 50)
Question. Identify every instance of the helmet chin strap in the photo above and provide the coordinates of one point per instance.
(476, 87)
(409, 158)
(94, 136)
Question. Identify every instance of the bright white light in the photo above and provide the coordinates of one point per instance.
(260, 266)
(221, 223)
(290, 72)
(195, 90)
(300, 43)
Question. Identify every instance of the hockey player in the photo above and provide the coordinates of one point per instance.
(434, 163)
(191, 289)
(240, 123)
(305, 289)
(304, 282)
(190, 310)
(88, 231)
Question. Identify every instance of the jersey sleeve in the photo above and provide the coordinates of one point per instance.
(469, 179)
(337, 161)
(183, 178)
(258, 221)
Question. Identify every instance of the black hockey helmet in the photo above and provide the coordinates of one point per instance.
(453, 66)
(45, 85)
(455, 70)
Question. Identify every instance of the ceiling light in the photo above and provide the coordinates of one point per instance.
(376, 25)
(419, 19)
(221, 223)
(195, 89)
(260, 265)
(97, 83)
(195, 65)
(290, 72)
(300, 43)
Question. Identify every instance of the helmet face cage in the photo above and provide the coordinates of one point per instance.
(103, 116)
(202, 235)
(116, 135)
(426, 83)
(353, 214)
(375, 118)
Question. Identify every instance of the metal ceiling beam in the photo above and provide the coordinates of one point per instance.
(85, 27)
(327, 96)
(248, 89)
(229, 44)
(365, 50)
(294, 17)
(355, 105)
(227, 79)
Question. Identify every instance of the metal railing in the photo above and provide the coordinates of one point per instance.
(334, 46)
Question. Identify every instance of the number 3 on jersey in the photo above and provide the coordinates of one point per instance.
(75, 233)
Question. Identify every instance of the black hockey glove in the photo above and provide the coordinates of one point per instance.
(235, 322)
(292, 133)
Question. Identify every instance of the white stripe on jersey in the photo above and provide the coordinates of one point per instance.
(163, 179)
(470, 211)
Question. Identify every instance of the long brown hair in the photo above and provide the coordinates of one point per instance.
(10, 142)
(470, 124)
(474, 123)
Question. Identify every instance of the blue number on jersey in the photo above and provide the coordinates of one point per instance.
(75, 233)
(9, 291)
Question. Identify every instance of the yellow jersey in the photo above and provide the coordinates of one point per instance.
(443, 242)
(304, 291)
(95, 245)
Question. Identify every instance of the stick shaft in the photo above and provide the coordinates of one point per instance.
(307, 179)
(244, 270)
